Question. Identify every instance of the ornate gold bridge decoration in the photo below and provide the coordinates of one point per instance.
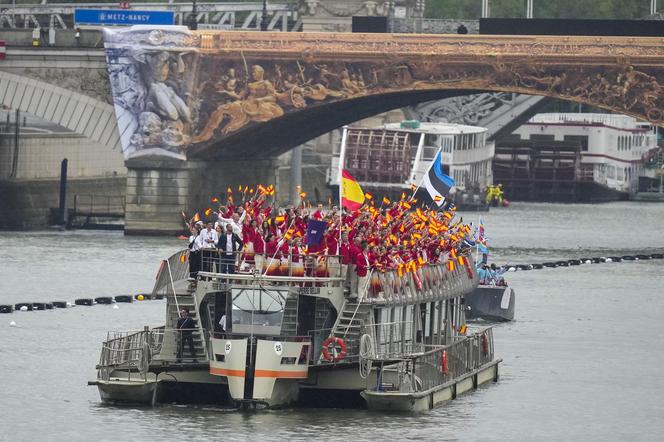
(180, 91)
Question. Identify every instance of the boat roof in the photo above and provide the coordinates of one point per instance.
(609, 120)
(436, 128)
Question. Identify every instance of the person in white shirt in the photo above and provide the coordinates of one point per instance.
(229, 244)
(194, 252)
(234, 221)
(222, 323)
(208, 242)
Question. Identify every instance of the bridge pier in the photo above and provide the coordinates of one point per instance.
(158, 190)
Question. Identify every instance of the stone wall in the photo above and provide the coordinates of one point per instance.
(26, 204)
(40, 155)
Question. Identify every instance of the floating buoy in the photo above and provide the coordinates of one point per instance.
(40, 306)
(12, 324)
(139, 297)
(69, 304)
(511, 269)
(608, 260)
(23, 306)
(143, 297)
(104, 300)
(59, 304)
(115, 307)
(84, 301)
(6, 308)
(585, 260)
(124, 298)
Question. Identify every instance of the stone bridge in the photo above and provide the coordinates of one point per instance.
(193, 107)
(222, 95)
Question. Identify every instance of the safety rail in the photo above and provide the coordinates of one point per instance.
(133, 351)
(281, 264)
(130, 350)
(318, 337)
(393, 340)
(428, 283)
(99, 205)
(443, 364)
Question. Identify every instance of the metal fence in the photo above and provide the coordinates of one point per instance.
(422, 372)
(428, 283)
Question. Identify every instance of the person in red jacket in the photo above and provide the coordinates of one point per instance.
(363, 265)
(354, 250)
(344, 250)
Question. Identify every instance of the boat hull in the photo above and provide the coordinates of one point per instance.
(492, 303)
(426, 400)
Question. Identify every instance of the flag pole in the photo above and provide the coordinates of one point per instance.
(477, 243)
(342, 158)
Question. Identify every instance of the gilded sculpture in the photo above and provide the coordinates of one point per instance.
(192, 95)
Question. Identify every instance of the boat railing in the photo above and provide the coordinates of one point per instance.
(317, 337)
(424, 371)
(286, 265)
(391, 340)
(133, 351)
(426, 283)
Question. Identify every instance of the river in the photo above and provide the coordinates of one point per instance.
(583, 360)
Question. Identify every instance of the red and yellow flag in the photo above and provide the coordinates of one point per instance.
(352, 196)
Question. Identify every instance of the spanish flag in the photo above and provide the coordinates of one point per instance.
(352, 196)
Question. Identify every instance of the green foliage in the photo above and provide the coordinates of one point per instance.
(600, 9)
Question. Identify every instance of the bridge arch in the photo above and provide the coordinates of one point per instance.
(233, 94)
(77, 112)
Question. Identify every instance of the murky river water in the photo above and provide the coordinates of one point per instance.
(583, 360)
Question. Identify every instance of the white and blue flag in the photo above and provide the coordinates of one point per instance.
(437, 181)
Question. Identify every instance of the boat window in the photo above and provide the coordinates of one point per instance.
(431, 140)
(258, 307)
(428, 153)
(582, 139)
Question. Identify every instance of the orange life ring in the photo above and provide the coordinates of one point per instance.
(443, 363)
(334, 349)
(485, 344)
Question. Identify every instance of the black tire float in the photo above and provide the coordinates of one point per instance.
(629, 258)
(615, 258)
(104, 300)
(524, 267)
(657, 256)
(23, 304)
(562, 264)
(549, 264)
(585, 260)
(159, 296)
(643, 257)
(6, 308)
(574, 262)
(538, 266)
(84, 301)
(124, 298)
(59, 304)
(42, 306)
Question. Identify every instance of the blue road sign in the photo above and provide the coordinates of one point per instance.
(122, 17)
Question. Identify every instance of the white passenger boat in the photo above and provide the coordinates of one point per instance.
(400, 345)
(389, 159)
(578, 157)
